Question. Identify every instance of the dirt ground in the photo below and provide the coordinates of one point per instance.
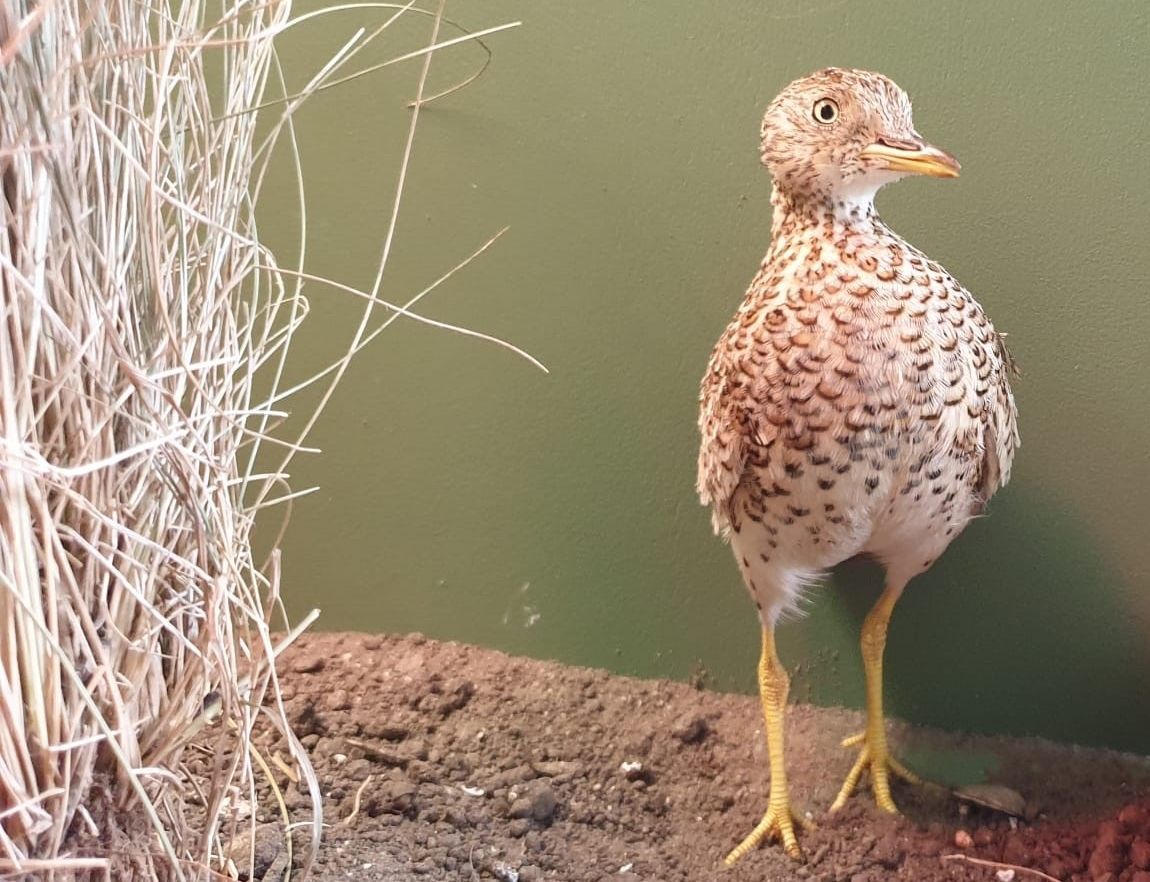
(445, 761)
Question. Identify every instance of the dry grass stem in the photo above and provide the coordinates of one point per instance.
(997, 865)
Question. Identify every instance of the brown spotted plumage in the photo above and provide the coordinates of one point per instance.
(859, 402)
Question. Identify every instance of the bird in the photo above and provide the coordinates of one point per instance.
(858, 404)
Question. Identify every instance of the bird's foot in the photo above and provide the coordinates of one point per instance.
(778, 823)
(875, 758)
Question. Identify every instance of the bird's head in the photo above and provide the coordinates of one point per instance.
(839, 135)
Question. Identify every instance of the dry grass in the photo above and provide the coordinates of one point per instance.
(139, 311)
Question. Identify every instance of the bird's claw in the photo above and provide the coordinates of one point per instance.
(875, 758)
(777, 823)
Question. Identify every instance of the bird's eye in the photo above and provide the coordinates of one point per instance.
(825, 111)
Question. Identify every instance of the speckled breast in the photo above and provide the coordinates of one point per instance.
(865, 375)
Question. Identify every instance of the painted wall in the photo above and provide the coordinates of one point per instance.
(469, 496)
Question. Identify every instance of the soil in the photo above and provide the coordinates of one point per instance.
(446, 761)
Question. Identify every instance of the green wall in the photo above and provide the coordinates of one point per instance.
(469, 496)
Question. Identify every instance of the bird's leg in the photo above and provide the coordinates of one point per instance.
(779, 819)
(874, 754)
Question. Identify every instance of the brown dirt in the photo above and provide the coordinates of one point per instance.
(445, 761)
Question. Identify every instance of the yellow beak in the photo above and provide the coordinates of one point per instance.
(914, 157)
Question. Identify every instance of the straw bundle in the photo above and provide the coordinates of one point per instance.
(138, 312)
(135, 317)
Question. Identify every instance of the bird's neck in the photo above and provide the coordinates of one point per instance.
(838, 213)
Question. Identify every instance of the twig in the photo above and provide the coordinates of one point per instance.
(291, 773)
(355, 802)
(996, 865)
(279, 797)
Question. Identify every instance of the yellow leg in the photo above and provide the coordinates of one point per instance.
(779, 820)
(874, 754)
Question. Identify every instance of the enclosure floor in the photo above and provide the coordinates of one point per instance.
(479, 766)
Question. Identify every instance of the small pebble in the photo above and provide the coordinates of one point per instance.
(268, 843)
(690, 728)
(1134, 818)
(309, 664)
(631, 769)
(1140, 854)
(558, 770)
(537, 800)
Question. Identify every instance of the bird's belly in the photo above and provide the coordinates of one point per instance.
(895, 498)
(804, 522)
(922, 513)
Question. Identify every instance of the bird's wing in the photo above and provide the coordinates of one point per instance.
(733, 423)
(1001, 439)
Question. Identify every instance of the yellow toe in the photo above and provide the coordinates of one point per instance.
(778, 824)
(874, 757)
